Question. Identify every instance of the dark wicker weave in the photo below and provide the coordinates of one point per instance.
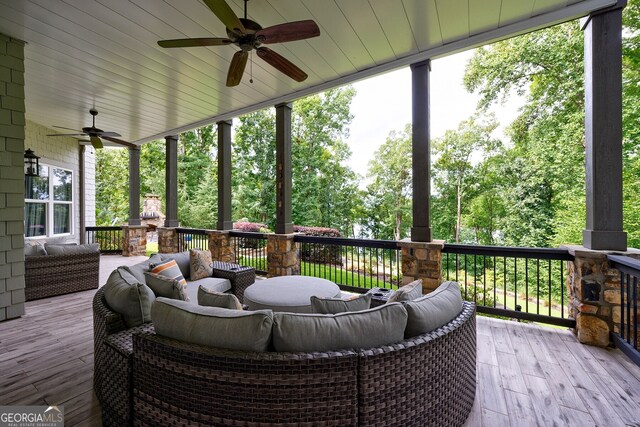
(50, 275)
(182, 384)
(113, 363)
(429, 380)
(241, 277)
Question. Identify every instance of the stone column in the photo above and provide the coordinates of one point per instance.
(12, 148)
(282, 255)
(593, 291)
(221, 246)
(134, 240)
(168, 241)
(422, 260)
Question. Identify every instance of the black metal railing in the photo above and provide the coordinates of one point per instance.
(109, 238)
(523, 283)
(250, 249)
(193, 238)
(351, 263)
(626, 339)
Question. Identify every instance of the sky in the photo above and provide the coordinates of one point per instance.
(383, 104)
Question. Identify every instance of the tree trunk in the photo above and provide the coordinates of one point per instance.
(398, 224)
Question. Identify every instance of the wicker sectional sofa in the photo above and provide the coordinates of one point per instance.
(142, 378)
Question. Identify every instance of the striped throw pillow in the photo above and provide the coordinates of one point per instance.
(170, 269)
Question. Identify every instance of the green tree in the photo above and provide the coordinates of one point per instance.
(388, 208)
(112, 186)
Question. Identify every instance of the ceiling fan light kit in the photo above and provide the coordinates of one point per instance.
(248, 35)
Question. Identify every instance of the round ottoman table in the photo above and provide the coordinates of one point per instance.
(288, 293)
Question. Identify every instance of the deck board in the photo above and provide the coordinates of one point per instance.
(527, 374)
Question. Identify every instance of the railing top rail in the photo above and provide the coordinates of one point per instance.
(620, 262)
(105, 228)
(247, 234)
(345, 241)
(200, 231)
(509, 251)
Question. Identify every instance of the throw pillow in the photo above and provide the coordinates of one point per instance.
(324, 332)
(212, 326)
(209, 298)
(408, 292)
(170, 269)
(433, 310)
(200, 264)
(128, 297)
(33, 248)
(165, 287)
(339, 305)
(183, 259)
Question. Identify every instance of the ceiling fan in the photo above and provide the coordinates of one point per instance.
(95, 135)
(249, 35)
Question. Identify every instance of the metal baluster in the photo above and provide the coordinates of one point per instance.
(504, 276)
(628, 294)
(549, 296)
(622, 304)
(526, 283)
(538, 285)
(465, 276)
(635, 312)
(495, 298)
(562, 288)
(515, 283)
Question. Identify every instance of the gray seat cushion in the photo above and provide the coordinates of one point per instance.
(183, 260)
(339, 305)
(212, 326)
(297, 332)
(408, 292)
(217, 284)
(128, 297)
(288, 293)
(433, 310)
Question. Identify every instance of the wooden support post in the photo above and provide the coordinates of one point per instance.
(421, 156)
(171, 181)
(603, 129)
(224, 176)
(134, 186)
(283, 169)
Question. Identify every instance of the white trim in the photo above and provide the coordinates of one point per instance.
(568, 13)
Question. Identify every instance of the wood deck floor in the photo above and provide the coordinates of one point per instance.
(527, 374)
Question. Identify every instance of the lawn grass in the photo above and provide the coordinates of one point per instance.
(152, 248)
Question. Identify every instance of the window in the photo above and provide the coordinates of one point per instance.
(48, 202)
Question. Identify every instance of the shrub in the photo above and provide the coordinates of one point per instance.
(321, 254)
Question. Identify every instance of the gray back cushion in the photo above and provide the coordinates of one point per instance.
(210, 298)
(139, 269)
(71, 249)
(339, 305)
(128, 297)
(433, 310)
(407, 292)
(212, 326)
(299, 332)
(183, 259)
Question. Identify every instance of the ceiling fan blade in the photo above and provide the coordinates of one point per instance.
(210, 41)
(62, 127)
(119, 141)
(281, 64)
(112, 134)
(96, 142)
(225, 14)
(288, 32)
(65, 134)
(236, 68)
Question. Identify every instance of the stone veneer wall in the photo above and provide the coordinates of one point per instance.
(12, 148)
(593, 290)
(134, 240)
(221, 246)
(282, 255)
(168, 241)
(422, 260)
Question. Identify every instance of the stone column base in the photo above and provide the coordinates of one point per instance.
(134, 240)
(221, 246)
(593, 291)
(422, 260)
(282, 255)
(168, 241)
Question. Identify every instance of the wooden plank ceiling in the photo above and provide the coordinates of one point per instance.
(104, 53)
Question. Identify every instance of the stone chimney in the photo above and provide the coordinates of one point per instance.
(152, 211)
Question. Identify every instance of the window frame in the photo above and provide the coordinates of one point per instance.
(50, 203)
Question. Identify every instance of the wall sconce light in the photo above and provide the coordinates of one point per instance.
(31, 163)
